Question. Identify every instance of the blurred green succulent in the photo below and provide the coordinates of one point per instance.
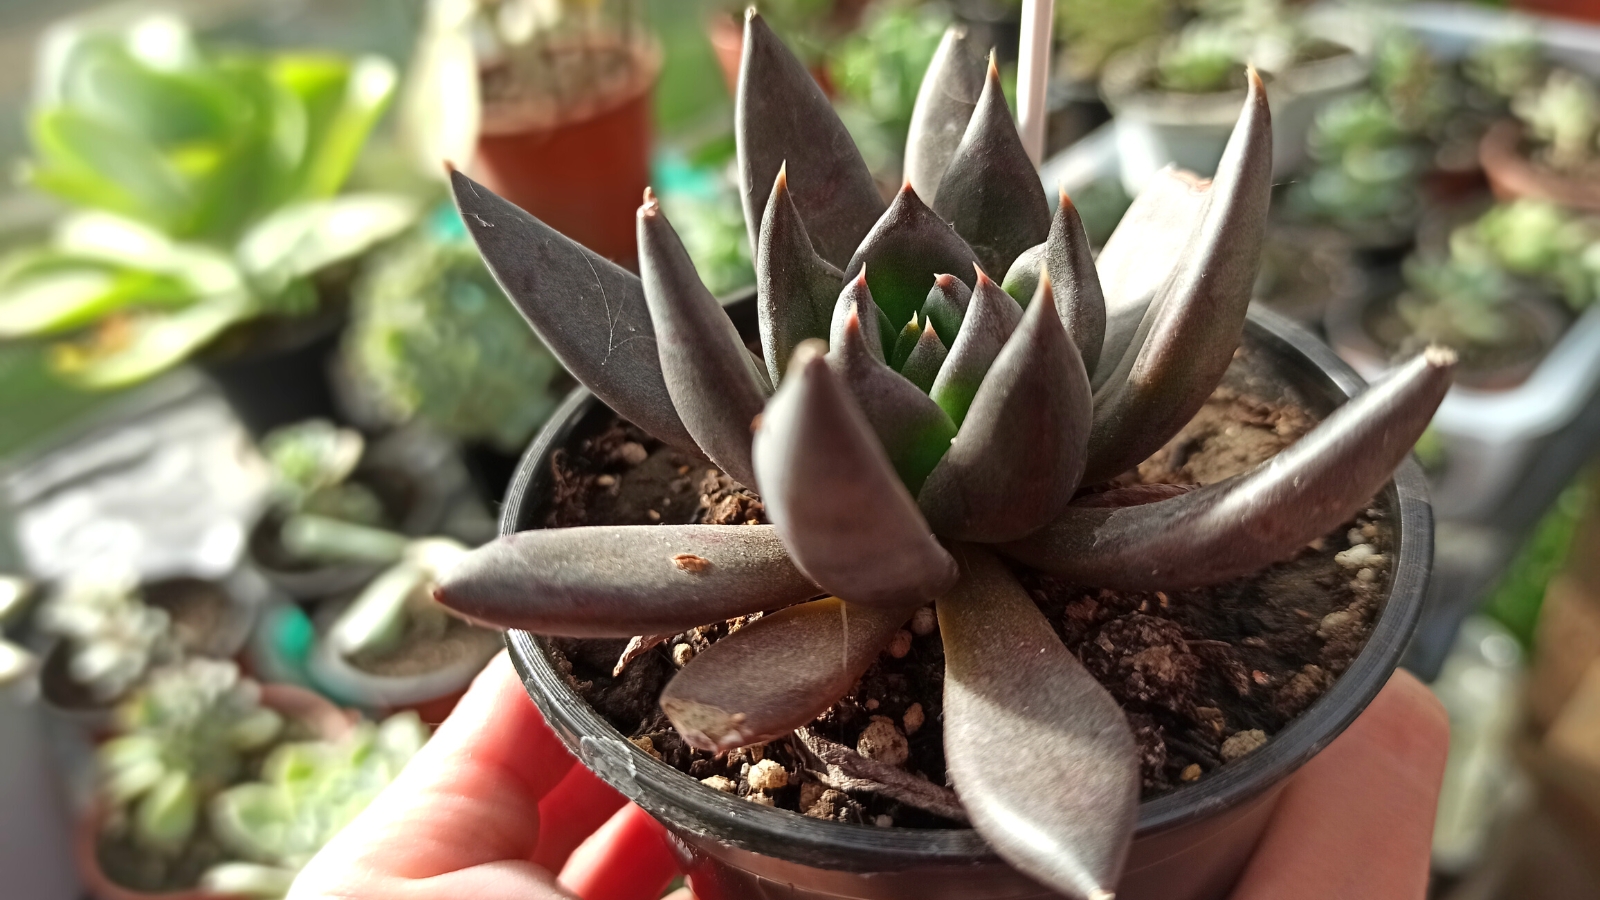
(1457, 303)
(312, 462)
(1564, 116)
(1536, 240)
(1505, 68)
(112, 636)
(1200, 59)
(434, 340)
(878, 68)
(308, 791)
(1095, 30)
(182, 737)
(202, 187)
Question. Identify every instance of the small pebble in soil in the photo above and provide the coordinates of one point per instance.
(654, 516)
(882, 741)
(913, 718)
(1242, 744)
(1366, 576)
(647, 745)
(872, 703)
(810, 793)
(1337, 624)
(884, 821)
(681, 654)
(768, 775)
(1359, 557)
(633, 453)
(760, 798)
(924, 622)
(1191, 772)
(719, 783)
(900, 644)
(605, 480)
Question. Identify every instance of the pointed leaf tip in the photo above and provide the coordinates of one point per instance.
(833, 494)
(795, 288)
(945, 101)
(903, 251)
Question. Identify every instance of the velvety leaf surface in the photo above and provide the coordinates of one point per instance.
(1016, 461)
(781, 115)
(795, 288)
(905, 342)
(777, 673)
(1237, 526)
(991, 192)
(923, 362)
(1070, 261)
(945, 101)
(913, 430)
(903, 253)
(590, 312)
(1140, 256)
(946, 306)
(708, 370)
(1019, 706)
(624, 580)
(1198, 313)
(830, 490)
(856, 300)
(991, 317)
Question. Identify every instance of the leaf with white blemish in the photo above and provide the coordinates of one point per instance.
(782, 118)
(913, 430)
(710, 375)
(777, 673)
(624, 580)
(829, 488)
(589, 311)
(991, 193)
(1017, 703)
(903, 252)
(1198, 314)
(795, 288)
(1017, 459)
(1240, 525)
(991, 317)
(946, 306)
(945, 101)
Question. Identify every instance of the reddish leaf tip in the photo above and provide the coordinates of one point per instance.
(983, 277)
(449, 168)
(862, 278)
(994, 67)
(1256, 85)
(782, 183)
(651, 206)
(1066, 201)
(944, 282)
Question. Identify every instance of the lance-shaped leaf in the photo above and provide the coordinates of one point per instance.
(589, 311)
(777, 673)
(781, 115)
(1067, 255)
(1015, 462)
(991, 318)
(795, 288)
(923, 362)
(913, 430)
(1140, 255)
(949, 92)
(1239, 525)
(991, 193)
(905, 342)
(1199, 312)
(830, 490)
(1018, 703)
(710, 375)
(856, 300)
(623, 580)
(946, 306)
(903, 252)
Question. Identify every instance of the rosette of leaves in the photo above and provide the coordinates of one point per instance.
(435, 341)
(113, 637)
(182, 737)
(327, 515)
(204, 191)
(1563, 115)
(908, 424)
(1539, 241)
(307, 792)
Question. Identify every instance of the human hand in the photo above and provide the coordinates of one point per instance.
(490, 809)
(494, 805)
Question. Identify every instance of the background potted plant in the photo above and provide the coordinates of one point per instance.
(206, 213)
(855, 465)
(1548, 152)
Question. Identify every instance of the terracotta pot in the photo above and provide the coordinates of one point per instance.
(580, 168)
(1513, 176)
(325, 719)
(1191, 844)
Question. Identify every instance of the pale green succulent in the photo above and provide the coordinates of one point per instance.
(312, 462)
(1563, 115)
(113, 637)
(307, 792)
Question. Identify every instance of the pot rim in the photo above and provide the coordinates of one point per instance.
(686, 805)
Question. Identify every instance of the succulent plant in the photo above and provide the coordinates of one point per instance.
(182, 738)
(888, 488)
(307, 792)
(113, 637)
(1536, 240)
(1564, 115)
(398, 601)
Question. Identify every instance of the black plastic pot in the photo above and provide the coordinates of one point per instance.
(1191, 844)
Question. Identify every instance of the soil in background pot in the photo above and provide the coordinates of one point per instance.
(1206, 676)
(426, 648)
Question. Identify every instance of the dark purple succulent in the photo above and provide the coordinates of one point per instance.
(910, 423)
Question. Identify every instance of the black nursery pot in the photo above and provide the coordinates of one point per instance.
(1191, 844)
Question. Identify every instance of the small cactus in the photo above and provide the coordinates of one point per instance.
(910, 423)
